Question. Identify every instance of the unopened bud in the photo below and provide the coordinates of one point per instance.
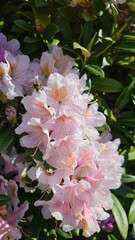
(39, 26)
(108, 224)
(10, 112)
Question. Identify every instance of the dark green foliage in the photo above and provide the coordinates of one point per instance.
(4, 199)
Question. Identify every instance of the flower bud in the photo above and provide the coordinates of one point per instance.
(108, 224)
(10, 112)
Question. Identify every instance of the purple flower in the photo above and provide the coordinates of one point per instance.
(108, 224)
(2, 55)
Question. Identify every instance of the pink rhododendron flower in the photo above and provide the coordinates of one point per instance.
(66, 92)
(10, 214)
(13, 72)
(47, 179)
(36, 106)
(18, 71)
(60, 92)
(13, 46)
(68, 204)
(14, 167)
(79, 165)
(62, 154)
(6, 85)
(65, 125)
(93, 117)
(38, 136)
(50, 62)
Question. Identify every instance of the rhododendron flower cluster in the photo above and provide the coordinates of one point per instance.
(79, 166)
(10, 213)
(61, 122)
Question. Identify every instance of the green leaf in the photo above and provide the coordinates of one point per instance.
(51, 31)
(24, 25)
(126, 46)
(6, 138)
(125, 191)
(106, 109)
(65, 29)
(41, 3)
(34, 153)
(128, 133)
(61, 2)
(127, 178)
(120, 217)
(104, 128)
(16, 29)
(114, 11)
(76, 232)
(52, 232)
(88, 85)
(30, 48)
(133, 229)
(130, 37)
(42, 14)
(128, 118)
(111, 237)
(66, 235)
(126, 60)
(132, 6)
(94, 238)
(28, 39)
(118, 33)
(103, 15)
(131, 214)
(131, 154)
(87, 33)
(94, 69)
(107, 85)
(36, 224)
(91, 42)
(133, 98)
(84, 51)
(70, 14)
(103, 47)
(29, 15)
(125, 96)
(4, 199)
